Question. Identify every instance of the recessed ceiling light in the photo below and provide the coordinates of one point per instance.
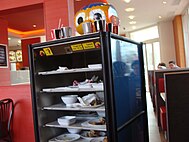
(34, 25)
(164, 2)
(127, 1)
(132, 22)
(9, 38)
(131, 17)
(133, 27)
(129, 9)
(159, 17)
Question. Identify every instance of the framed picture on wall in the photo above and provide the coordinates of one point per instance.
(19, 55)
(12, 56)
(3, 56)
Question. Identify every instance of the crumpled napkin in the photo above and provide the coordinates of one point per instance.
(61, 68)
(86, 100)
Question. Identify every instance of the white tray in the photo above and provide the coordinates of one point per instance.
(69, 71)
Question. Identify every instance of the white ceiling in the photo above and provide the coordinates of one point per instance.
(147, 12)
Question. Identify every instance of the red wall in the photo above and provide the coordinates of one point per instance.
(4, 72)
(25, 43)
(23, 129)
(9, 4)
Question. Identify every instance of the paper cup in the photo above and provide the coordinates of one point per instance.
(100, 25)
(115, 29)
(55, 34)
(110, 27)
(66, 32)
(87, 27)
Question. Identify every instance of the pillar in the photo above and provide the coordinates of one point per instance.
(179, 41)
(56, 10)
(4, 71)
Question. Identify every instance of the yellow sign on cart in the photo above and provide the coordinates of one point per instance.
(48, 51)
(88, 45)
(77, 47)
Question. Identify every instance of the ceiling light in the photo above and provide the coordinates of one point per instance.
(132, 22)
(19, 41)
(9, 38)
(34, 25)
(129, 9)
(127, 1)
(133, 27)
(159, 17)
(131, 17)
(164, 2)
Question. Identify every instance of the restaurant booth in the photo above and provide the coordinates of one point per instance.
(169, 94)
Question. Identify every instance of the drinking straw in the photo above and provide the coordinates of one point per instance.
(59, 23)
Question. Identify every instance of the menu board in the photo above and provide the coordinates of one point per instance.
(3, 55)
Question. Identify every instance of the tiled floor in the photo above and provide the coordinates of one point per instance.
(154, 135)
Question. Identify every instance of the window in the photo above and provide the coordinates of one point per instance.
(145, 34)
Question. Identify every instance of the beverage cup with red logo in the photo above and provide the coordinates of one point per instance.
(115, 29)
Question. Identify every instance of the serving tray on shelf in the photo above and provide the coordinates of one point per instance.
(69, 71)
(66, 89)
(63, 107)
(76, 125)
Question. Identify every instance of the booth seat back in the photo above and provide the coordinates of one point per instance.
(163, 118)
(161, 85)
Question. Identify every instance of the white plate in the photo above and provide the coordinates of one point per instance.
(87, 124)
(93, 125)
(93, 106)
(97, 140)
(84, 135)
(67, 137)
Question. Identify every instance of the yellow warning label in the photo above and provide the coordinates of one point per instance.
(88, 45)
(77, 47)
(48, 51)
